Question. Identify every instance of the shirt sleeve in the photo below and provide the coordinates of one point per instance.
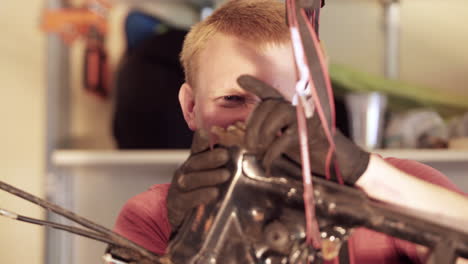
(143, 219)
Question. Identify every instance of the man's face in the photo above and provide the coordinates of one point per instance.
(217, 98)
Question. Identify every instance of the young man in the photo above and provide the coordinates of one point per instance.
(251, 37)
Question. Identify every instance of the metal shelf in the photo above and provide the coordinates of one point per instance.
(427, 155)
(63, 158)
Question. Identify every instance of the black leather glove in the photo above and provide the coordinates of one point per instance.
(195, 182)
(272, 133)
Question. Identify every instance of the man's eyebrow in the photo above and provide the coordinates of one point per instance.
(231, 90)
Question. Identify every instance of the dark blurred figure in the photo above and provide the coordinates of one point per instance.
(147, 114)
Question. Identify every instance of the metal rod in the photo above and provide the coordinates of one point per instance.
(67, 228)
(392, 38)
(116, 238)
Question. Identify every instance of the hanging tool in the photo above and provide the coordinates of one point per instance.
(89, 23)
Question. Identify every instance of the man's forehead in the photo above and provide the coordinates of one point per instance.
(233, 52)
(224, 58)
(222, 41)
(227, 57)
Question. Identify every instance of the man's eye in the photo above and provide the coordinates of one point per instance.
(234, 98)
(232, 101)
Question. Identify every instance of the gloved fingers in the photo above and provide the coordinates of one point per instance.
(195, 198)
(279, 120)
(283, 166)
(180, 205)
(195, 180)
(255, 123)
(200, 141)
(280, 146)
(257, 87)
(210, 159)
(231, 136)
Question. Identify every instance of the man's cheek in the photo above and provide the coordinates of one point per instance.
(223, 117)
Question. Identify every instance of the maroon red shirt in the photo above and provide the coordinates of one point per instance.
(143, 219)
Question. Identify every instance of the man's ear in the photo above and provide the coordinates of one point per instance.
(187, 103)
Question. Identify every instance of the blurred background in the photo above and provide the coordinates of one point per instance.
(84, 124)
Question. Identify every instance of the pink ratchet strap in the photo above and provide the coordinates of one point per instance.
(313, 82)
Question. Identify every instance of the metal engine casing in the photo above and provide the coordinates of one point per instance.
(257, 219)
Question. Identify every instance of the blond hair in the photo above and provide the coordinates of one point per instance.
(258, 21)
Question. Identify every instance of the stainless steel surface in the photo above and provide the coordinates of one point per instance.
(366, 114)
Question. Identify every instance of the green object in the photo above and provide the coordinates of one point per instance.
(401, 96)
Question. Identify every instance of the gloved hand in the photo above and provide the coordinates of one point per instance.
(272, 134)
(195, 182)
